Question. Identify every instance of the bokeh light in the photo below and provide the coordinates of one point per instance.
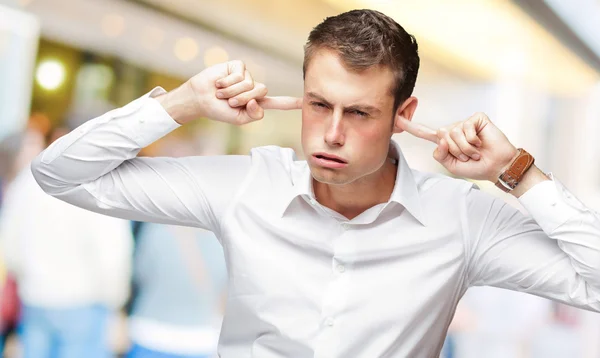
(50, 74)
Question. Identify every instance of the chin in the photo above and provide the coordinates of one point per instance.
(329, 176)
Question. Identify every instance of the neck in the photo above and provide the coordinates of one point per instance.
(354, 198)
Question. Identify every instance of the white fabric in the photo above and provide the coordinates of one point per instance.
(173, 339)
(63, 256)
(304, 281)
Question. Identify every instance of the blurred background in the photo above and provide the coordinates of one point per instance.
(124, 289)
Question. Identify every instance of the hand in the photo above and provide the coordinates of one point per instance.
(474, 148)
(248, 98)
(224, 92)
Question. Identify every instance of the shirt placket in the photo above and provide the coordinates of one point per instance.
(335, 296)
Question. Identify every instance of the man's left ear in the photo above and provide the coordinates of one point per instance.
(405, 112)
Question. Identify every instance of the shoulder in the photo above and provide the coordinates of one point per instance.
(445, 198)
(275, 161)
(274, 154)
(429, 183)
(459, 198)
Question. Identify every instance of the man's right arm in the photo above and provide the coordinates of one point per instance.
(95, 167)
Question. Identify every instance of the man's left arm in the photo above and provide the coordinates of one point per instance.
(555, 253)
(564, 218)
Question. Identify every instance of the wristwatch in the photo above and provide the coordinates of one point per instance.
(509, 180)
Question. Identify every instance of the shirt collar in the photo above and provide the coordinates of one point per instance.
(405, 190)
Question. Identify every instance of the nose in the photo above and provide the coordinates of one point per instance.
(334, 131)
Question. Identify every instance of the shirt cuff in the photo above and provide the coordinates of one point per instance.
(145, 120)
(551, 204)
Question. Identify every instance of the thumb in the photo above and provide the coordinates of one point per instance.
(252, 112)
(441, 153)
(281, 102)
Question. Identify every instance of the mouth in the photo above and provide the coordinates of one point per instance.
(331, 157)
(329, 160)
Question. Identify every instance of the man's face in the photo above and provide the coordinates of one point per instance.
(346, 119)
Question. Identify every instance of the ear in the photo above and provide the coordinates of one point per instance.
(405, 112)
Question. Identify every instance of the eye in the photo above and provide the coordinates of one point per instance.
(356, 112)
(318, 104)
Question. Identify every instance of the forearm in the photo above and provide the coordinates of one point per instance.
(565, 219)
(533, 177)
(180, 104)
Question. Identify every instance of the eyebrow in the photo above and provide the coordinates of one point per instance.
(360, 107)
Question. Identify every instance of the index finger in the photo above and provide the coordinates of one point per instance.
(280, 102)
(419, 130)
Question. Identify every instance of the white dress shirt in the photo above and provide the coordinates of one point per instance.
(63, 256)
(303, 280)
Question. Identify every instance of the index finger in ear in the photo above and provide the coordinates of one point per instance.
(419, 130)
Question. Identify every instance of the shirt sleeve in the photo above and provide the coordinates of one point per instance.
(555, 253)
(95, 167)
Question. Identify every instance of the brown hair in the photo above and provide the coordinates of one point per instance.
(367, 38)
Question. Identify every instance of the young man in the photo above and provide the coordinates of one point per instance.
(350, 253)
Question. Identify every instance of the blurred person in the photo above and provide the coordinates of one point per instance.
(9, 149)
(503, 323)
(463, 320)
(180, 279)
(558, 337)
(72, 269)
(40, 123)
(18, 150)
(351, 253)
(7, 306)
(16, 153)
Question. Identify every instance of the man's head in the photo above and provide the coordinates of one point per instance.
(360, 69)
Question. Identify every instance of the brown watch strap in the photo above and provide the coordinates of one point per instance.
(513, 175)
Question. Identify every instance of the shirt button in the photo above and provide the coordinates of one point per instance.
(142, 119)
(313, 201)
(345, 226)
(329, 321)
(341, 268)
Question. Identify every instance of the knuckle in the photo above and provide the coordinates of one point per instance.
(469, 150)
(264, 91)
(243, 100)
(239, 100)
(480, 115)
